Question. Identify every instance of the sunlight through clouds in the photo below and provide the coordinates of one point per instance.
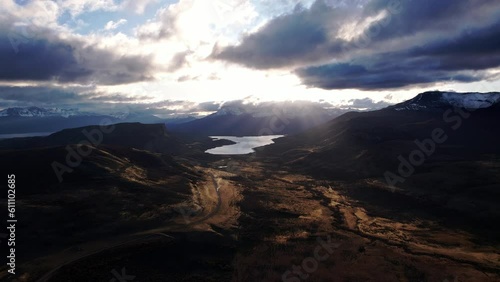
(196, 50)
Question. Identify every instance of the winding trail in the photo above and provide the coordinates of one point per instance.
(215, 180)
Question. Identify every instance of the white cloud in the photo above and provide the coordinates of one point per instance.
(195, 21)
(111, 25)
(43, 13)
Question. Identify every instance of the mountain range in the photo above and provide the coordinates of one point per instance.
(263, 119)
(266, 119)
(35, 119)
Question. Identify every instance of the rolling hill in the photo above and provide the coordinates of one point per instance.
(151, 137)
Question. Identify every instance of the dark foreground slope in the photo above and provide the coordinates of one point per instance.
(151, 137)
(84, 193)
(112, 192)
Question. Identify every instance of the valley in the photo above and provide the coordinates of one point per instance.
(268, 220)
(315, 206)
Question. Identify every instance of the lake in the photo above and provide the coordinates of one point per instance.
(244, 145)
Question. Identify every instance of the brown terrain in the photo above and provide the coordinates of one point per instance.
(260, 223)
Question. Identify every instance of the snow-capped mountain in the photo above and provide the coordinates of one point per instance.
(435, 100)
(40, 112)
(472, 100)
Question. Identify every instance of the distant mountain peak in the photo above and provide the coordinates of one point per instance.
(230, 111)
(433, 100)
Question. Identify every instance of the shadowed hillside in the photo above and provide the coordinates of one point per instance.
(151, 137)
(112, 192)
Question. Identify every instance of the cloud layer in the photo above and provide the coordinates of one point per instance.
(67, 60)
(156, 54)
(379, 44)
(88, 99)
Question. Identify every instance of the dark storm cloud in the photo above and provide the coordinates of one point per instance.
(408, 17)
(287, 40)
(412, 42)
(473, 49)
(40, 60)
(303, 37)
(35, 53)
(44, 60)
(357, 76)
(36, 95)
(454, 59)
(59, 96)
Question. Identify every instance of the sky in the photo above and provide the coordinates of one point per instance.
(192, 56)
